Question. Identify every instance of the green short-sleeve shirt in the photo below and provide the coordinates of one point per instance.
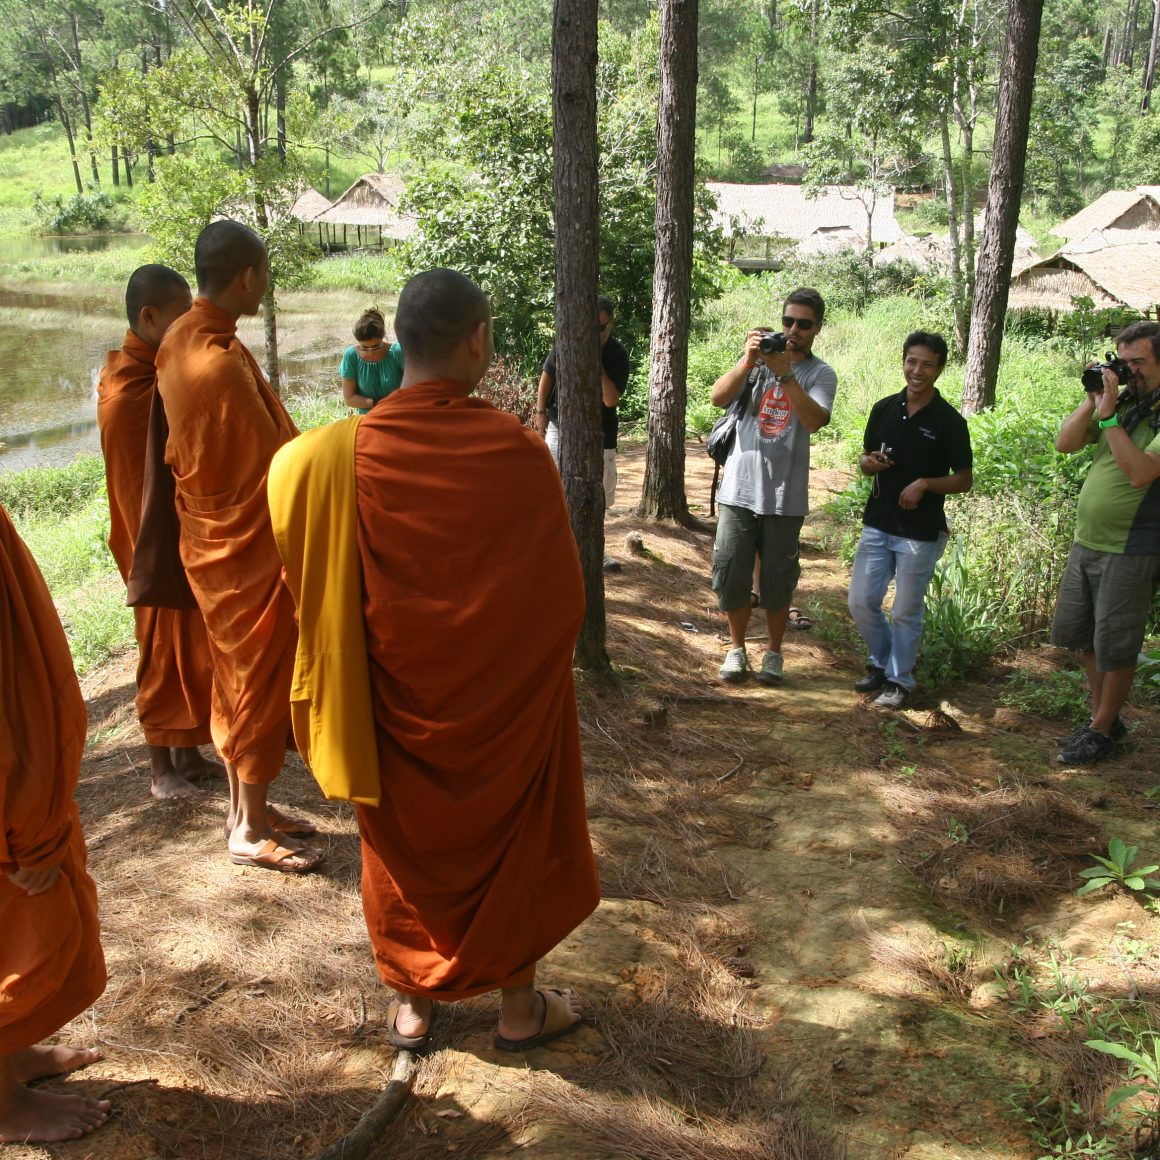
(1113, 516)
(376, 380)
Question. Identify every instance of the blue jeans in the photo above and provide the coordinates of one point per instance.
(893, 644)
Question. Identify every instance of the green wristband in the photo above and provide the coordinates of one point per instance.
(1114, 421)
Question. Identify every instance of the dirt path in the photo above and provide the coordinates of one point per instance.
(823, 927)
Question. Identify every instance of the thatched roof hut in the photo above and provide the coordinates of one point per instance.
(1111, 267)
(371, 204)
(934, 251)
(1118, 209)
(776, 210)
(309, 204)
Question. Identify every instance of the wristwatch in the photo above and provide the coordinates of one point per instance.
(1114, 421)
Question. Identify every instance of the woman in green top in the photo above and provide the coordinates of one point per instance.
(370, 369)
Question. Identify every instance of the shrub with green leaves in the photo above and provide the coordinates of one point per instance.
(83, 213)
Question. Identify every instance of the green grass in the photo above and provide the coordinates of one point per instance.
(37, 159)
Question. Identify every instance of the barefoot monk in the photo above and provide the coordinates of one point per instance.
(442, 521)
(173, 665)
(225, 423)
(51, 965)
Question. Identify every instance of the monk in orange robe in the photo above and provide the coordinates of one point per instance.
(173, 667)
(225, 423)
(51, 965)
(476, 861)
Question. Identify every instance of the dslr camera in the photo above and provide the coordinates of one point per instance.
(772, 342)
(1093, 377)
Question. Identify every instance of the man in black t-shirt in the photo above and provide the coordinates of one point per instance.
(613, 380)
(917, 450)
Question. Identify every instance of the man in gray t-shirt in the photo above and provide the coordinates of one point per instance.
(764, 494)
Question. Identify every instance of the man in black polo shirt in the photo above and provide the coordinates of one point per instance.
(613, 380)
(917, 450)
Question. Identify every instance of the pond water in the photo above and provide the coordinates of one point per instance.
(53, 344)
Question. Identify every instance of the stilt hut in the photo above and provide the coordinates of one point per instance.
(367, 214)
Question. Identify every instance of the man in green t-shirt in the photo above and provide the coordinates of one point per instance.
(1114, 565)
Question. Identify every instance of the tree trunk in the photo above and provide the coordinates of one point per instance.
(1016, 86)
(280, 111)
(575, 183)
(115, 165)
(959, 305)
(262, 220)
(83, 94)
(1150, 68)
(1130, 20)
(663, 496)
(812, 77)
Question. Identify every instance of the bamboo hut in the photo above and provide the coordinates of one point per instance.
(1118, 209)
(834, 217)
(1111, 267)
(367, 214)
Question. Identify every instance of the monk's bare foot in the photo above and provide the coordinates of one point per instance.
(42, 1060)
(273, 851)
(413, 1018)
(170, 786)
(28, 1116)
(539, 1018)
(290, 823)
(283, 824)
(192, 764)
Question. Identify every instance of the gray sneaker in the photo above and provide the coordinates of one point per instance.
(771, 669)
(892, 696)
(736, 666)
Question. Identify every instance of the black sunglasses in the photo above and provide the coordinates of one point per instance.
(788, 323)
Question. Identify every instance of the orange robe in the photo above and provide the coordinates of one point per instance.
(174, 674)
(477, 861)
(51, 965)
(225, 423)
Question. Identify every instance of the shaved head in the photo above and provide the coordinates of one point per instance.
(223, 250)
(437, 310)
(156, 286)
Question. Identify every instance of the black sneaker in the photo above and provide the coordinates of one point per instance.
(1085, 748)
(892, 696)
(1118, 733)
(874, 679)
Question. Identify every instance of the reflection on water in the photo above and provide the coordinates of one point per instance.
(53, 344)
(50, 447)
(17, 249)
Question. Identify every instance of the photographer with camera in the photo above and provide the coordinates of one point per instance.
(1114, 565)
(917, 450)
(764, 494)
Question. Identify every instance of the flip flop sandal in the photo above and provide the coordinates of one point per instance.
(798, 619)
(558, 1021)
(272, 856)
(415, 1043)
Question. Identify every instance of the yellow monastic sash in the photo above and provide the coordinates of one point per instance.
(313, 508)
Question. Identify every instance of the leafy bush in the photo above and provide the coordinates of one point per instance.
(47, 493)
(1062, 694)
(83, 213)
(962, 628)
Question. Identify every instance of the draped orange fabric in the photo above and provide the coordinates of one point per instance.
(173, 667)
(477, 861)
(51, 965)
(225, 423)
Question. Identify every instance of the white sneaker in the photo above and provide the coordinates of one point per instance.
(736, 666)
(770, 671)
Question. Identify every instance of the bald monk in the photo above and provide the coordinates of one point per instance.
(476, 859)
(225, 423)
(51, 965)
(173, 666)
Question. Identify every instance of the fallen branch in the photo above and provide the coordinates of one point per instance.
(727, 776)
(367, 1133)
